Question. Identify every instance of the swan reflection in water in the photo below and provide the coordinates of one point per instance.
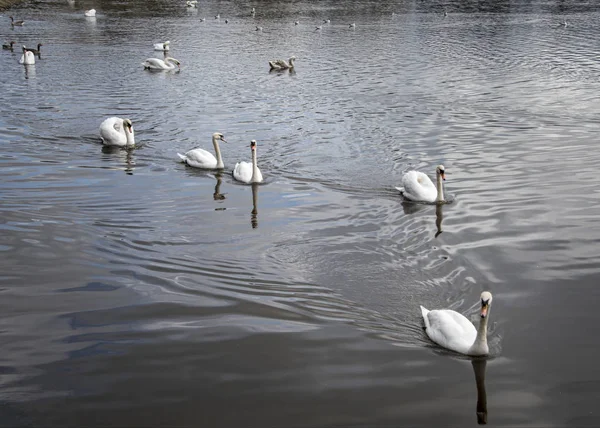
(479, 369)
(254, 212)
(412, 208)
(125, 154)
(218, 196)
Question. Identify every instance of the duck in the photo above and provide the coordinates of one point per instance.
(17, 23)
(454, 331)
(35, 51)
(8, 46)
(418, 187)
(247, 172)
(163, 46)
(281, 64)
(200, 158)
(115, 131)
(90, 13)
(158, 64)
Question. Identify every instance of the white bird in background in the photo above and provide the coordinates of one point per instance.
(282, 64)
(191, 3)
(418, 187)
(327, 21)
(296, 22)
(253, 11)
(91, 12)
(200, 158)
(353, 25)
(454, 331)
(28, 58)
(163, 46)
(159, 64)
(115, 131)
(248, 172)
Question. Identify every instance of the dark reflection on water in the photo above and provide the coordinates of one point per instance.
(137, 291)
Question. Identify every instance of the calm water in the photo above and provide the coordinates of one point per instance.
(138, 292)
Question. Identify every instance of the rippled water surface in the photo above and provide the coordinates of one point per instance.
(136, 291)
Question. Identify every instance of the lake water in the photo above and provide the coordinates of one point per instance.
(136, 291)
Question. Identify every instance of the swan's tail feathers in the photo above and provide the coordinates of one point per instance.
(182, 157)
(424, 312)
(401, 190)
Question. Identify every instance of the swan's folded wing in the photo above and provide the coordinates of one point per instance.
(451, 330)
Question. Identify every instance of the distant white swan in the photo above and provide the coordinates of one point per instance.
(282, 64)
(115, 131)
(418, 187)
(191, 3)
(454, 331)
(159, 64)
(248, 172)
(28, 58)
(200, 158)
(91, 12)
(164, 46)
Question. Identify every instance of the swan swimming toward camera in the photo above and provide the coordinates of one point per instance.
(159, 64)
(200, 158)
(282, 64)
(247, 172)
(454, 331)
(418, 187)
(115, 131)
(164, 46)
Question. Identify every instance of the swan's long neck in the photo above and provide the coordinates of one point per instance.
(129, 137)
(254, 167)
(218, 152)
(291, 62)
(440, 187)
(480, 346)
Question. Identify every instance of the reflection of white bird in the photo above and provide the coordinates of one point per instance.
(248, 172)
(200, 158)
(454, 331)
(163, 46)
(282, 64)
(91, 12)
(28, 58)
(115, 131)
(159, 64)
(417, 186)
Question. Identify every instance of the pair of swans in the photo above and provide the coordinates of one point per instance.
(117, 132)
(246, 172)
(159, 64)
(418, 187)
(163, 46)
(282, 64)
(28, 58)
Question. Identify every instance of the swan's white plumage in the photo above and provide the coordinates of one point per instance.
(248, 172)
(115, 131)
(417, 186)
(159, 64)
(163, 46)
(282, 64)
(200, 158)
(91, 12)
(28, 58)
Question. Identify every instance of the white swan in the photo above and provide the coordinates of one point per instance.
(247, 172)
(159, 64)
(200, 158)
(282, 64)
(91, 12)
(419, 188)
(115, 131)
(191, 3)
(454, 331)
(28, 58)
(163, 46)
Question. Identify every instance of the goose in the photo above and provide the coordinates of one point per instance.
(115, 131)
(18, 23)
(158, 64)
(90, 13)
(454, 331)
(200, 158)
(281, 64)
(418, 187)
(353, 25)
(8, 46)
(35, 51)
(163, 46)
(247, 172)
(28, 58)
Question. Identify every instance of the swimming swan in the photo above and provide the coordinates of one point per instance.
(200, 158)
(419, 188)
(282, 64)
(454, 331)
(28, 58)
(159, 64)
(115, 131)
(90, 13)
(247, 172)
(164, 46)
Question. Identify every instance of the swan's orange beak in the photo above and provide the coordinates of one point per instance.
(130, 128)
(484, 310)
(443, 174)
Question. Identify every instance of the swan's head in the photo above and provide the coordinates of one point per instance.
(173, 60)
(218, 136)
(292, 59)
(486, 302)
(441, 171)
(128, 125)
(253, 145)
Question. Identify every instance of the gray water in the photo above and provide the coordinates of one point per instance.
(136, 291)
